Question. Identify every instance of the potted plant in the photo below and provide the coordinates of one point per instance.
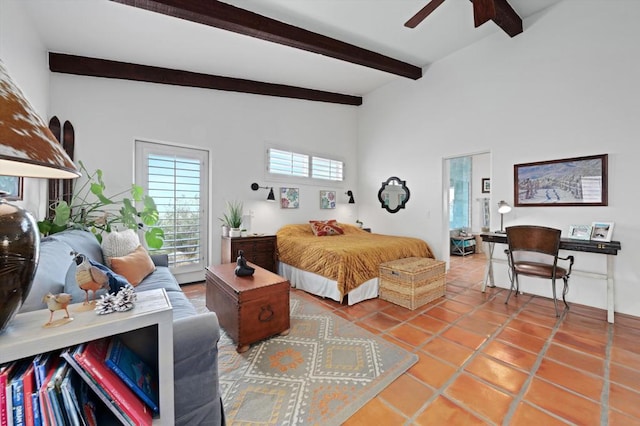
(92, 210)
(233, 218)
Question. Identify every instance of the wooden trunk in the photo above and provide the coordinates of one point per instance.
(249, 309)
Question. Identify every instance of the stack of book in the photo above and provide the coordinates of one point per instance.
(88, 384)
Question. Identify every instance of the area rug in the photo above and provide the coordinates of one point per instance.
(324, 371)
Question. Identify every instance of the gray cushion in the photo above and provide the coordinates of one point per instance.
(182, 307)
(83, 242)
(161, 278)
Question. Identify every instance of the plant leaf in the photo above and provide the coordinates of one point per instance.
(154, 237)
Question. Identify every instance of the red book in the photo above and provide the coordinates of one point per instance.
(5, 372)
(92, 360)
(29, 387)
(46, 411)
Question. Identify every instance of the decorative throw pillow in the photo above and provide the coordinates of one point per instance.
(118, 244)
(322, 228)
(135, 266)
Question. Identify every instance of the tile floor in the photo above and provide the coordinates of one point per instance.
(484, 362)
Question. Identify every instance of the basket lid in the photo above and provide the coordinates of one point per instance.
(411, 264)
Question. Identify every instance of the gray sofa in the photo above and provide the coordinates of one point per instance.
(195, 336)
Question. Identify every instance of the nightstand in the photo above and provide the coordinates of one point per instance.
(258, 249)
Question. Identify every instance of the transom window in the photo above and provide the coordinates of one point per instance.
(295, 164)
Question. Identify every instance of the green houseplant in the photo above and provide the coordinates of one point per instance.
(233, 218)
(92, 210)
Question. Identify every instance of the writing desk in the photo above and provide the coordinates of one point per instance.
(609, 248)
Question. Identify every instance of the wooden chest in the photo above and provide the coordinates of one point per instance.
(413, 281)
(258, 249)
(249, 309)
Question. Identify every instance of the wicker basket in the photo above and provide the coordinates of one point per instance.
(412, 282)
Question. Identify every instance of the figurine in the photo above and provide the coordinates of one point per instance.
(89, 277)
(56, 303)
(243, 270)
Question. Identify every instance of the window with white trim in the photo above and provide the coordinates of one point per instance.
(295, 164)
(325, 168)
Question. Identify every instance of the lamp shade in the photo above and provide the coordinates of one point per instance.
(503, 207)
(27, 146)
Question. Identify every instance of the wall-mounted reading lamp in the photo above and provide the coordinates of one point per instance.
(270, 197)
(349, 193)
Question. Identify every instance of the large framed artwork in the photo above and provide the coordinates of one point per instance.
(289, 198)
(12, 187)
(580, 181)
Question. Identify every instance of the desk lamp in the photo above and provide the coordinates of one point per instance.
(503, 207)
(27, 149)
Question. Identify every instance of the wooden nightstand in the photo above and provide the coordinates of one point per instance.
(258, 249)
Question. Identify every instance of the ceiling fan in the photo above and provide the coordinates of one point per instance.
(499, 11)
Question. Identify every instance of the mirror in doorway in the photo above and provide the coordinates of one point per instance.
(393, 194)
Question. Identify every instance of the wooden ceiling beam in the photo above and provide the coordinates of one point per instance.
(500, 12)
(93, 67)
(227, 17)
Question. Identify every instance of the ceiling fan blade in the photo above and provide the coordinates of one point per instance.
(423, 13)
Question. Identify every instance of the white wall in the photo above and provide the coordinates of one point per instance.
(108, 115)
(566, 87)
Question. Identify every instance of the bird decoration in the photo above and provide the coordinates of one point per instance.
(88, 276)
(57, 302)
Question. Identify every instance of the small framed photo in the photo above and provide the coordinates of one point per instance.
(580, 232)
(327, 199)
(601, 231)
(289, 198)
(11, 187)
(486, 185)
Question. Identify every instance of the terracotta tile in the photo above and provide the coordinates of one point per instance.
(625, 400)
(624, 320)
(407, 394)
(397, 342)
(628, 343)
(464, 337)
(410, 334)
(473, 298)
(428, 323)
(565, 404)
(531, 329)
(444, 412)
(399, 312)
(580, 343)
(375, 412)
(624, 376)
(521, 340)
(486, 315)
(454, 306)
(570, 378)
(431, 371)
(511, 355)
(447, 351)
(475, 394)
(527, 415)
(586, 327)
(577, 359)
(478, 326)
(367, 327)
(617, 418)
(499, 374)
(537, 318)
(380, 321)
(629, 358)
(443, 314)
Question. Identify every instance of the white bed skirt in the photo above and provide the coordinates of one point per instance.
(324, 287)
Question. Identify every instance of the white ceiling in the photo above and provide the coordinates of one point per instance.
(107, 30)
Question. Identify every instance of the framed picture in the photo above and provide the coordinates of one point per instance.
(601, 231)
(580, 181)
(12, 186)
(580, 232)
(289, 198)
(486, 185)
(327, 199)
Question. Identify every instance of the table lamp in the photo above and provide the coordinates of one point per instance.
(27, 149)
(503, 207)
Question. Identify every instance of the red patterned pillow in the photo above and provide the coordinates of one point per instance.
(322, 228)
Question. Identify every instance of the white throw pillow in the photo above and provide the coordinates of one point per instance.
(118, 244)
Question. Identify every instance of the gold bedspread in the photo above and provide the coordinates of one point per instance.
(349, 259)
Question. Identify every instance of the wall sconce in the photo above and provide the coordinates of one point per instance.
(27, 149)
(503, 208)
(349, 193)
(270, 197)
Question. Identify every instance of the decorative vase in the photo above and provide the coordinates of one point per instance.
(18, 258)
(234, 232)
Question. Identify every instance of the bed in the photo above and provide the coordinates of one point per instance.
(337, 265)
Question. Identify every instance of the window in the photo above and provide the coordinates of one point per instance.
(460, 193)
(176, 178)
(295, 164)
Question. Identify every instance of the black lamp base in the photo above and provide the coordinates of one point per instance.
(18, 258)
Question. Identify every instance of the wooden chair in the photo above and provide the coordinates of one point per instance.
(533, 252)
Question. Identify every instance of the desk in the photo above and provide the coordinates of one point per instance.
(608, 248)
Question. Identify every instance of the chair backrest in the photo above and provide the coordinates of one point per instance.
(531, 238)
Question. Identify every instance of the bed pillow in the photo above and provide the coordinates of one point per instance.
(323, 228)
(135, 266)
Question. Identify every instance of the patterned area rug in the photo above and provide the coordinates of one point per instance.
(324, 371)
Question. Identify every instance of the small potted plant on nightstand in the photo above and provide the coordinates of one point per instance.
(233, 218)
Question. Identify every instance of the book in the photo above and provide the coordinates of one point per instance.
(46, 411)
(91, 360)
(17, 393)
(35, 404)
(6, 370)
(29, 387)
(136, 373)
(53, 393)
(68, 392)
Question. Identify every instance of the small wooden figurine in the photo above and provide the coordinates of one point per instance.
(89, 277)
(57, 302)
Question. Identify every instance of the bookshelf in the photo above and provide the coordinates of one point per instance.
(25, 336)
